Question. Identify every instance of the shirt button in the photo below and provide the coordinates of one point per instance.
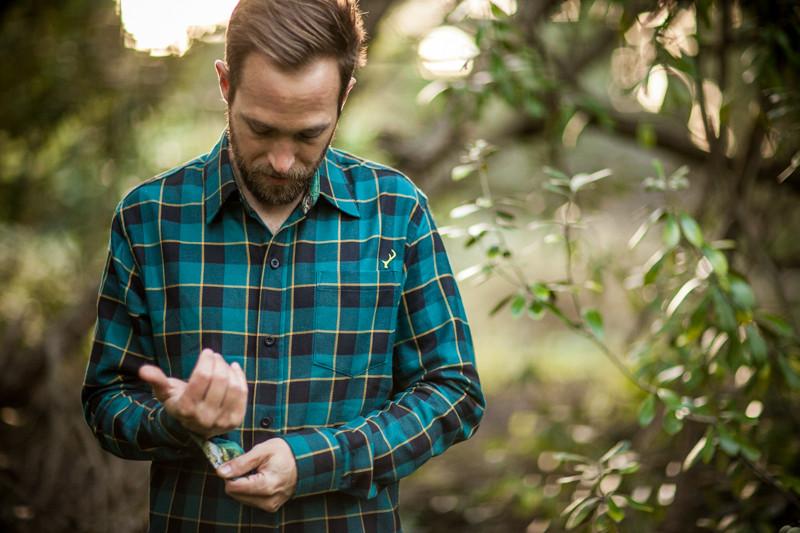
(269, 340)
(266, 422)
(274, 262)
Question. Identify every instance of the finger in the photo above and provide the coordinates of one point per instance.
(235, 401)
(239, 403)
(243, 464)
(215, 394)
(157, 379)
(201, 375)
(255, 484)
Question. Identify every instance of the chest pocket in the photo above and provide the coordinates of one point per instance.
(355, 317)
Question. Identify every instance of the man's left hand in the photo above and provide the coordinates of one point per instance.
(268, 475)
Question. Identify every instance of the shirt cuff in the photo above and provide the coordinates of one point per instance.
(319, 459)
(172, 430)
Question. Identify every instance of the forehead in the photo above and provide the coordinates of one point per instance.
(267, 89)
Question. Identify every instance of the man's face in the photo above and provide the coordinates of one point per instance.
(280, 124)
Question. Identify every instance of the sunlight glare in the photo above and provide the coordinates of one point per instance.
(447, 52)
(651, 95)
(482, 9)
(163, 27)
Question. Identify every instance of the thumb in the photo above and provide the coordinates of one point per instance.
(243, 464)
(157, 379)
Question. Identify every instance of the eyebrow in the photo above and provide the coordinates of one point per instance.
(260, 126)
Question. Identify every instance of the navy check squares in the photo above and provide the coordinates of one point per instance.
(347, 323)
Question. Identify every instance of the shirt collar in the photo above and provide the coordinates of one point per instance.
(330, 182)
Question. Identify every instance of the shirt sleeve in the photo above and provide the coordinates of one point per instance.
(438, 400)
(119, 408)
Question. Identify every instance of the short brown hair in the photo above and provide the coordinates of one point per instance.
(292, 33)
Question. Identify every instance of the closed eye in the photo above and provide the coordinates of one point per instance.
(310, 135)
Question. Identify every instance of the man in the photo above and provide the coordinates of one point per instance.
(283, 296)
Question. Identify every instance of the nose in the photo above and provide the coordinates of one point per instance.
(281, 157)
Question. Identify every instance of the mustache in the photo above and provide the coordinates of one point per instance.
(269, 172)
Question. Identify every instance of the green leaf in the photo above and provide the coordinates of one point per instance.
(566, 457)
(789, 373)
(691, 230)
(462, 171)
(711, 446)
(749, 451)
(595, 322)
(505, 215)
(620, 447)
(775, 324)
(717, 259)
(681, 295)
(670, 398)
(579, 181)
(533, 107)
(499, 305)
(574, 504)
(727, 441)
(694, 454)
(540, 291)
(518, 305)
(672, 233)
(725, 315)
(659, 168)
(497, 11)
(535, 310)
(646, 135)
(614, 511)
(557, 189)
(670, 374)
(655, 263)
(644, 227)
(638, 505)
(629, 469)
(757, 345)
(647, 410)
(582, 512)
(741, 293)
(556, 174)
(672, 425)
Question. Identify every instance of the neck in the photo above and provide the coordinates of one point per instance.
(273, 216)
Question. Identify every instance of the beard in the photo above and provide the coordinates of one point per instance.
(257, 177)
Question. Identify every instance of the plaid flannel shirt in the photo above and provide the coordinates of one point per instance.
(347, 323)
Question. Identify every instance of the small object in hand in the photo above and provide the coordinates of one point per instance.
(219, 452)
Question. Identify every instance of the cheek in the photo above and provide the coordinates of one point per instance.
(308, 155)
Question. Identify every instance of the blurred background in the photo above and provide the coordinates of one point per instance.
(617, 181)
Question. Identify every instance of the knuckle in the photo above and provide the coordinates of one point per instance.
(225, 423)
(205, 419)
(183, 410)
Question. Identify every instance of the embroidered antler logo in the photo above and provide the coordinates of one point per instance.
(388, 260)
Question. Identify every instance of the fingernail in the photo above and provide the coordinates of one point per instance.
(224, 470)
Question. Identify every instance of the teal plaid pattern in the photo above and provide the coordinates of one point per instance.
(347, 322)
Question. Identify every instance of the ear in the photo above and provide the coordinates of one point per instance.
(224, 78)
(347, 92)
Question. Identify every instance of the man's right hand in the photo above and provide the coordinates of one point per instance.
(212, 402)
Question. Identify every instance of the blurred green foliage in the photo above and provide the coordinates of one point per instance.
(715, 371)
